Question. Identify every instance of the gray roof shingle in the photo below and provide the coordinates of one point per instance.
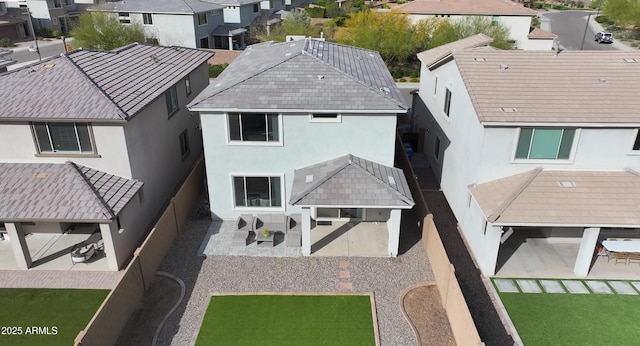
(62, 192)
(351, 181)
(159, 6)
(306, 74)
(90, 84)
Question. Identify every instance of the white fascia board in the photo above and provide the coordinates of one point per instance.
(533, 224)
(306, 111)
(543, 124)
(357, 206)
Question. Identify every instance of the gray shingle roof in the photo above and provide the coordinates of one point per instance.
(159, 6)
(69, 192)
(306, 74)
(351, 181)
(90, 84)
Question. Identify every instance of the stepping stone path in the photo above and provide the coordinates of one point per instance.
(345, 277)
(564, 286)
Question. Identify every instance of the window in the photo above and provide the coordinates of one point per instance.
(67, 2)
(187, 84)
(435, 87)
(124, 18)
(57, 4)
(63, 137)
(256, 8)
(270, 3)
(325, 118)
(250, 127)
(204, 42)
(436, 149)
(447, 102)
(636, 143)
(545, 143)
(171, 96)
(202, 19)
(263, 192)
(495, 20)
(184, 144)
(147, 19)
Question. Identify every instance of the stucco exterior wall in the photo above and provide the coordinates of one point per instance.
(232, 14)
(169, 29)
(18, 145)
(538, 44)
(304, 143)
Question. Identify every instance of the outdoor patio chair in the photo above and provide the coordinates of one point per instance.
(634, 257)
(293, 231)
(244, 225)
(620, 257)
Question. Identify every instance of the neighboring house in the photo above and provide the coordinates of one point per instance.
(524, 140)
(220, 24)
(112, 119)
(305, 127)
(514, 16)
(49, 14)
(13, 23)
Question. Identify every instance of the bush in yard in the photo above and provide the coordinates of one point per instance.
(315, 12)
(414, 80)
(5, 42)
(216, 70)
(56, 33)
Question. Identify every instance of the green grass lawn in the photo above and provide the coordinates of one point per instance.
(287, 320)
(574, 319)
(68, 310)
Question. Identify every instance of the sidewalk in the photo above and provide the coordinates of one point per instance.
(24, 45)
(595, 26)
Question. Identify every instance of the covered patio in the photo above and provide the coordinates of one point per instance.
(228, 37)
(550, 223)
(353, 202)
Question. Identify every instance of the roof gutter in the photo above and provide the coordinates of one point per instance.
(565, 124)
(537, 224)
(65, 120)
(301, 110)
(358, 206)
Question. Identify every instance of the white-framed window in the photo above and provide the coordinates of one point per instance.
(202, 19)
(325, 118)
(171, 97)
(254, 128)
(636, 143)
(187, 84)
(545, 143)
(124, 18)
(256, 7)
(147, 19)
(436, 148)
(184, 144)
(447, 102)
(63, 138)
(435, 86)
(257, 191)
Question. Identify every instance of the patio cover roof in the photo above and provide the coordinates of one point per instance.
(227, 30)
(62, 192)
(562, 198)
(351, 181)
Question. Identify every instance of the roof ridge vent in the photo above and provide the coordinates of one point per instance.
(479, 59)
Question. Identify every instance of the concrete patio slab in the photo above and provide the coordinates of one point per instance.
(506, 285)
(529, 286)
(552, 286)
(575, 287)
(623, 287)
(217, 242)
(363, 239)
(600, 287)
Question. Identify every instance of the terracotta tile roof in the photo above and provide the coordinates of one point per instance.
(542, 87)
(538, 33)
(467, 7)
(62, 192)
(351, 181)
(581, 198)
(92, 84)
(433, 56)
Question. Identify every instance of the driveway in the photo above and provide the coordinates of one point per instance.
(387, 278)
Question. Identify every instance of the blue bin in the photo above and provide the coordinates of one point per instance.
(408, 149)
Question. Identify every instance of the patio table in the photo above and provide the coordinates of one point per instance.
(622, 245)
(263, 240)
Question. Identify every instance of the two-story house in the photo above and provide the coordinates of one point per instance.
(512, 15)
(305, 127)
(98, 138)
(49, 14)
(220, 24)
(533, 140)
(13, 24)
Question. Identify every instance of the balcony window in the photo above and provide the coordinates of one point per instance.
(447, 102)
(252, 127)
(545, 143)
(62, 138)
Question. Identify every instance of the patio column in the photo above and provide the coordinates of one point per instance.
(108, 231)
(230, 42)
(489, 256)
(19, 245)
(393, 227)
(585, 253)
(306, 231)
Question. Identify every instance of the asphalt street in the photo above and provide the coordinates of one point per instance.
(570, 26)
(47, 49)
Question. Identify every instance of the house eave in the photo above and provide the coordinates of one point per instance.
(75, 120)
(552, 224)
(356, 205)
(558, 124)
(296, 110)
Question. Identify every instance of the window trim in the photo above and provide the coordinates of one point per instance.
(257, 175)
(187, 85)
(168, 92)
(208, 42)
(124, 17)
(184, 153)
(40, 153)
(60, 4)
(572, 153)
(256, 7)
(150, 19)
(206, 20)
(277, 143)
(447, 102)
(314, 119)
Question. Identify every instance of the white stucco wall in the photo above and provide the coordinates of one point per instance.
(538, 44)
(169, 29)
(371, 137)
(18, 145)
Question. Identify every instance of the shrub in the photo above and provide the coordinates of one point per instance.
(315, 12)
(400, 2)
(401, 80)
(44, 32)
(216, 70)
(397, 72)
(602, 19)
(414, 74)
(56, 33)
(580, 4)
(635, 44)
(414, 80)
(5, 42)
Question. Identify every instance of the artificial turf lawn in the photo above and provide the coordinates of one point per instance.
(574, 319)
(287, 320)
(69, 310)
